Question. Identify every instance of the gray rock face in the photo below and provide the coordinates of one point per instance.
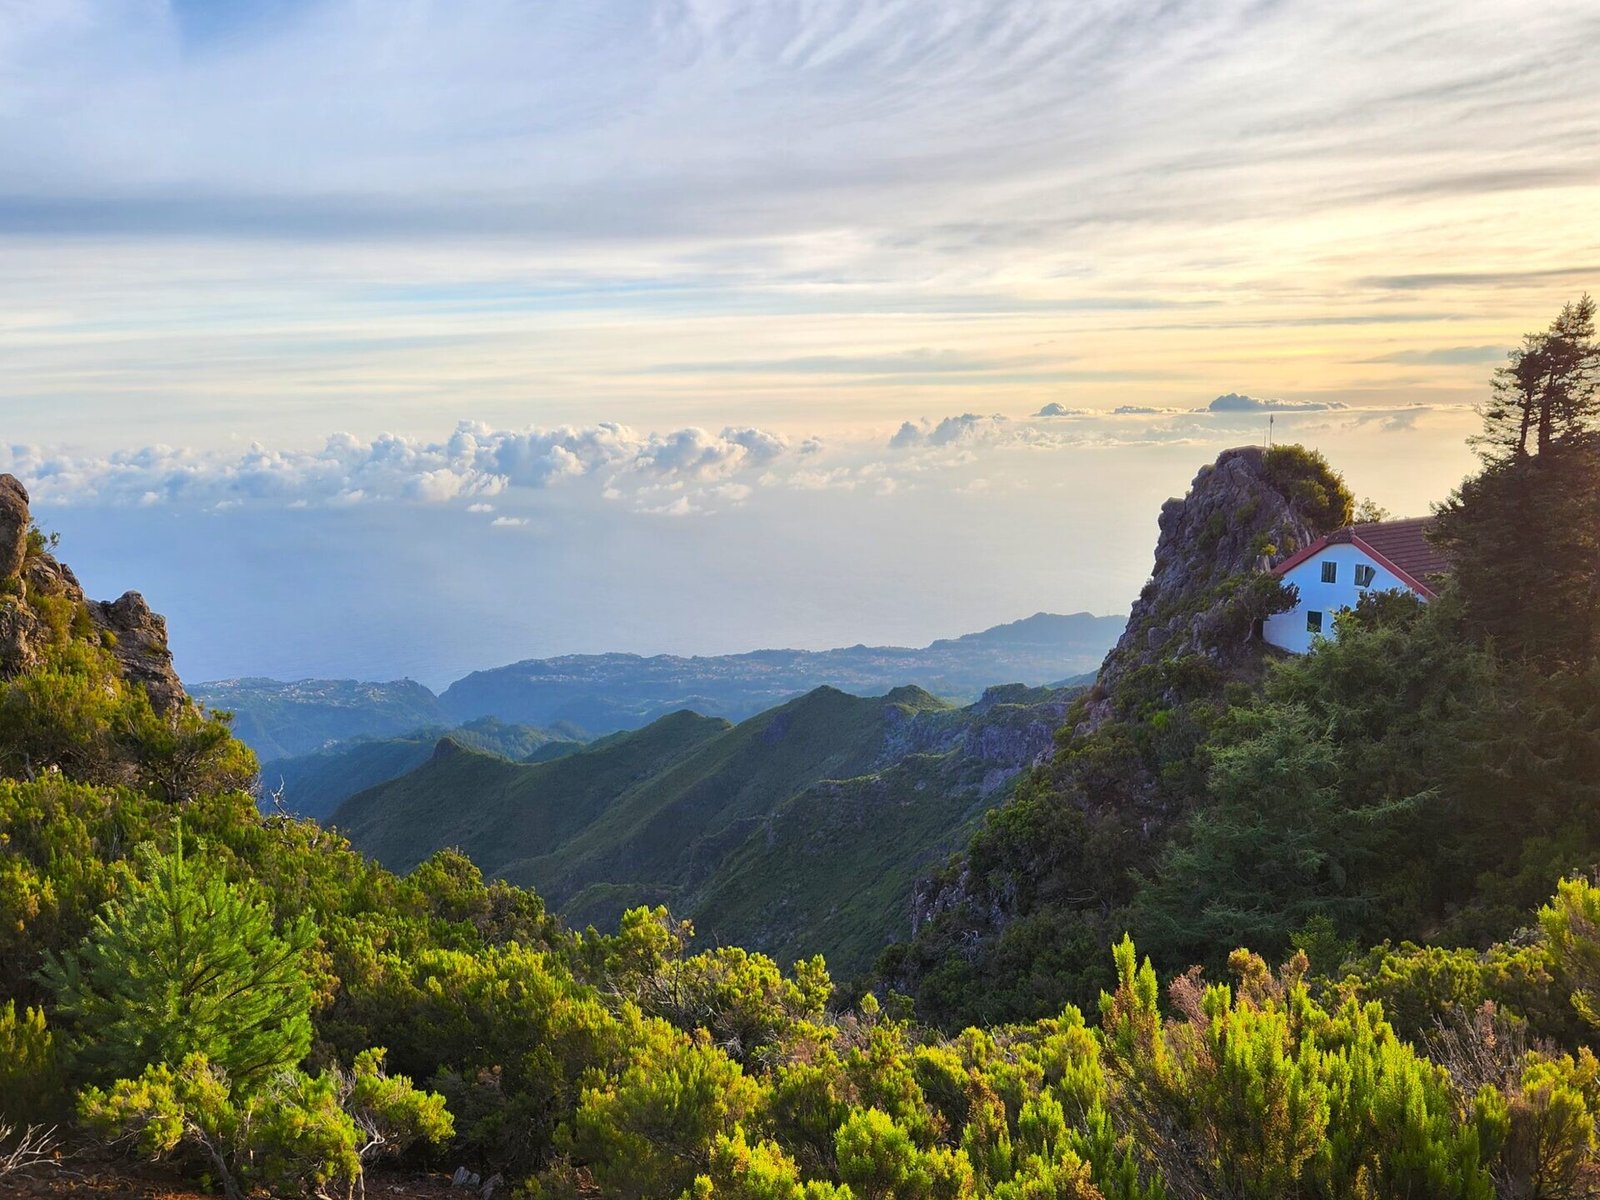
(13, 526)
(139, 644)
(135, 636)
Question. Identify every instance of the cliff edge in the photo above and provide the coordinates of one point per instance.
(43, 605)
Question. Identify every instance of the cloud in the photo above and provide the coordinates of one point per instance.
(290, 215)
(1055, 409)
(1235, 402)
(816, 481)
(1429, 280)
(910, 433)
(964, 429)
(681, 507)
(907, 362)
(487, 471)
(475, 462)
(928, 130)
(1444, 356)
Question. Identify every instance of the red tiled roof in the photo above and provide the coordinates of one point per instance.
(1404, 544)
(1401, 546)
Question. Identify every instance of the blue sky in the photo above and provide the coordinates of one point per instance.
(603, 323)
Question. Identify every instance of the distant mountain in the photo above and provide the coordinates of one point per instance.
(800, 829)
(1042, 634)
(313, 785)
(605, 692)
(279, 720)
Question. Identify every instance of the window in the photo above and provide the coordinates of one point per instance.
(1364, 575)
(1313, 622)
(1330, 572)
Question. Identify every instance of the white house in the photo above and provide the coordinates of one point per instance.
(1335, 571)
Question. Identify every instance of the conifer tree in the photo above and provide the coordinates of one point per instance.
(184, 963)
(1524, 536)
(1548, 391)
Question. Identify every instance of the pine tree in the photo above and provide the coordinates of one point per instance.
(1524, 535)
(1548, 391)
(183, 963)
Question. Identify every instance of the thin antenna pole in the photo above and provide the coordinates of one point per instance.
(1270, 418)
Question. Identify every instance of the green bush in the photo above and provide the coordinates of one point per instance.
(32, 1079)
(1262, 1093)
(294, 1133)
(741, 1171)
(879, 1160)
(1315, 487)
(650, 1131)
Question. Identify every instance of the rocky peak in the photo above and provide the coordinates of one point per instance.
(39, 597)
(14, 525)
(1243, 514)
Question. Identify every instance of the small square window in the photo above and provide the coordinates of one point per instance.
(1330, 572)
(1364, 575)
(1313, 622)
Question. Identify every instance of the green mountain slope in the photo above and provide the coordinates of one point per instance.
(801, 828)
(494, 809)
(314, 785)
(835, 866)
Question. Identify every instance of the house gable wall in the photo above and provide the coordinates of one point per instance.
(1288, 630)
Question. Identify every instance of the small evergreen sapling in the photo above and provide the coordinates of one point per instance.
(186, 963)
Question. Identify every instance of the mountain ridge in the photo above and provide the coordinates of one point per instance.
(605, 693)
(821, 810)
(610, 691)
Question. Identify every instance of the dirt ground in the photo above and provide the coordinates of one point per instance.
(112, 1179)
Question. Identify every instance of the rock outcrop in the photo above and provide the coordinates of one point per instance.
(41, 601)
(14, 524)
(139, 643)
(1244, 513)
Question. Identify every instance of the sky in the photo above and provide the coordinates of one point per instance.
(384, 337)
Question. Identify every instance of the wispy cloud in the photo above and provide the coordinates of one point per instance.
(332, 207)
(1445, 356)
(1504, 278)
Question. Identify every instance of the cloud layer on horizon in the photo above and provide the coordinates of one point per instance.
(684, 472)
(475, 462)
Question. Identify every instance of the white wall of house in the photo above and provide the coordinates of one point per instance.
(1292, 630)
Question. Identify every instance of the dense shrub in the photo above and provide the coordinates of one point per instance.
(291, 1133)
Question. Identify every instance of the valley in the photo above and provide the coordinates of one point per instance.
(800, 830)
